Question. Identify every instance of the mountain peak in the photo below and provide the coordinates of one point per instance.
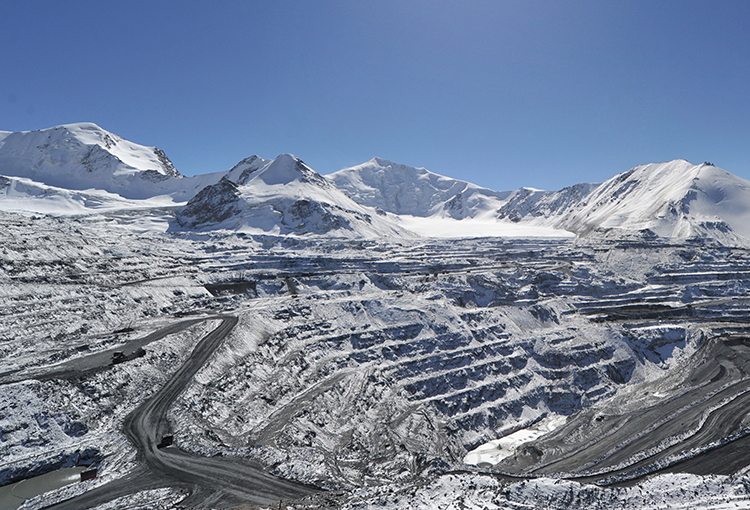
(387, 162)
(672, 199)
(84, 156)
(243, 171)
(402, 189)
(282, 196)
(287, 169)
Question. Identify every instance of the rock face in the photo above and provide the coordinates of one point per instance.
(212, 205)
(281, 196)
(531, 204)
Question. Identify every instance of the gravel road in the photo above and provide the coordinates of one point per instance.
(214, 481)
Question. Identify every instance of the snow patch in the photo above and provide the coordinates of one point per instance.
(493, 452)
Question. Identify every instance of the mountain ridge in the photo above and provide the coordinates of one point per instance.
(83, 155)
(75, 168)
(281, 196)
(401, 189)
(673, 199)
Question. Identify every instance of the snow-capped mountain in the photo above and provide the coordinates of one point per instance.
(281, 196)
(85, 157)
(528, 203)
(675, 199)
(672, 199)
(405, 190)
(77, 168)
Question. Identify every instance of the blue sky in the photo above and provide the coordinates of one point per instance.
(501, 93)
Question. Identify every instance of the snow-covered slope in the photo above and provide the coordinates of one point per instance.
(405, 190)
(675, 199)
(672, 199)
(86, 157)
(22, 194)
(78, 168)
(281, 196)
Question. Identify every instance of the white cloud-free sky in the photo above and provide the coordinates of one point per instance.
(501, 93)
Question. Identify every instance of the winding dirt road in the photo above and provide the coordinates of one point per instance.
(212, 481)
(709, 406)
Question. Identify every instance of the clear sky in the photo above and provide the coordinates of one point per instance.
(500, 93)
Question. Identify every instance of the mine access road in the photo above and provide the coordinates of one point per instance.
(211, 481)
